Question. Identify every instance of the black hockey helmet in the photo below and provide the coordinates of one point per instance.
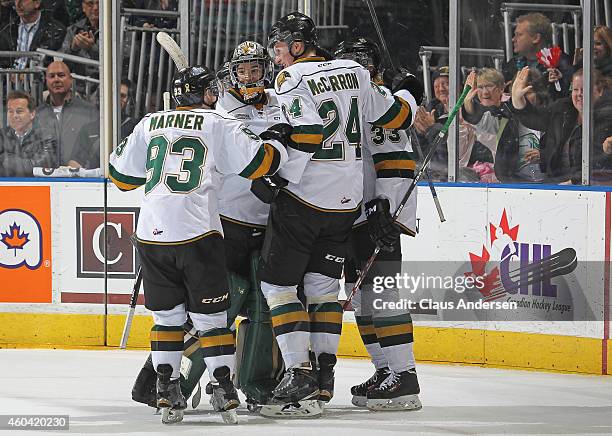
(293, 27)
(362, 50)
(190, 84)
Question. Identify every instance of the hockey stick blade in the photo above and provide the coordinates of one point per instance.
(173, 49)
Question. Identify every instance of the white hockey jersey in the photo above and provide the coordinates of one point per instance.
(388, 169)
(180, 156)
(326, 102)
(236, 201)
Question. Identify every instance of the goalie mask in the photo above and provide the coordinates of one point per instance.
(361, 50)
(191, 83)
(291, 28)
(249, 70)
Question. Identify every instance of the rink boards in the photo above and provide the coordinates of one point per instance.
(54, 290)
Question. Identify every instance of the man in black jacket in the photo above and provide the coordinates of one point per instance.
(532, 33)
(24, 145)
(31, 31)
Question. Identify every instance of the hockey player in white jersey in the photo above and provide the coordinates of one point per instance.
(244, 217)
(179, 157)
(326, 102)
(389, 166)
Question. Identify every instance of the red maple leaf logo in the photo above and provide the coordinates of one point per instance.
(15, 239)
(491, 280)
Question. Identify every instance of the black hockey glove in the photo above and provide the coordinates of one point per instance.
(400, 78)
(280, 132)
(383, 230)
(266, 188)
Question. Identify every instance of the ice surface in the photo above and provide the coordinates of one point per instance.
(93, 387)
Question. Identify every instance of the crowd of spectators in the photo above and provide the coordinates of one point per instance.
(62, 128)
(517, 125)
(532, 130)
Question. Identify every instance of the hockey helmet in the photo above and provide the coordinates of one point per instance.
(364, 51)
(191, 83)
(250, 69)
(293, 27)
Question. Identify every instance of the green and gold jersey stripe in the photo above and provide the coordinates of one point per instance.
(307, 138)
(310, 59)
(261, 164)
(123, 182)
(397, 117)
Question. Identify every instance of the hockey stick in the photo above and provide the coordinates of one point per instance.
(374, 17)
(434, 194)
(130, 314)
(558, 264)
(173, 49)
(417, 177)
(133, 300)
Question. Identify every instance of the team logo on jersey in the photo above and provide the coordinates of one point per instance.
(282, 78)
(20, 239)
(120, 256)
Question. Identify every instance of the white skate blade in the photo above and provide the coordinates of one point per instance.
(171, 416)
(302, 409)
(359, 401)
(230, 417)
(406, 402)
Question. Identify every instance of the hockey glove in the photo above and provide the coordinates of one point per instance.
(280, 132)
(400, 78)
(383, 230)
(266, 188)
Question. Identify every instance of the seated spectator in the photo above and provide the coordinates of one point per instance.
(532, 33)
(428, 123)
(82, 38)
(602, 51)
(516, 147)
(23, 145)
(561, 124)
(128, 122)
(87, 154)
(30, 31)
(62, 113)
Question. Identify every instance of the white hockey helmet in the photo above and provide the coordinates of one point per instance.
(250, 69)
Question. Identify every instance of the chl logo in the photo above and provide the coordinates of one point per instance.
(20, 239)
(121, 255)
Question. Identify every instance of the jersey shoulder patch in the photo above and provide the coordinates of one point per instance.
(282, 78)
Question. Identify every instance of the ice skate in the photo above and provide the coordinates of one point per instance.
(326, 376)
(399, 391)
(169, 396)
(360, 391)
(223, 395)
(296, 395)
